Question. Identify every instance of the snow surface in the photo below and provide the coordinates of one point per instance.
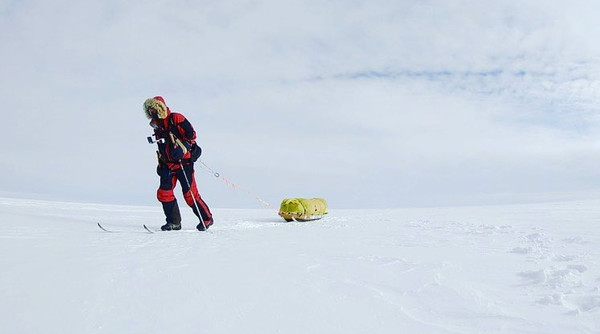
(504, 269)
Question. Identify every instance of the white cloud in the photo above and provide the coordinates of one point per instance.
(397, 101)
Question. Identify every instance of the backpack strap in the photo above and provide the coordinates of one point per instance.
(171, 121)
(184, 126)
(172, 127)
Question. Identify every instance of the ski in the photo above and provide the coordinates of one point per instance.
(103, 229)
(186, 230)
(112, 231)
(146, 229)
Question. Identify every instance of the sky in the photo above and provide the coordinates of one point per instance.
(368, 104)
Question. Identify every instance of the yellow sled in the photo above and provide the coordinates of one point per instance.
(302, 209)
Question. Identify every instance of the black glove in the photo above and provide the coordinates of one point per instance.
(196, 152)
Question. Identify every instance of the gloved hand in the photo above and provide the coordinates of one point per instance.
(180, 145)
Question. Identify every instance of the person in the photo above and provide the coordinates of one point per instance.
(177, 151)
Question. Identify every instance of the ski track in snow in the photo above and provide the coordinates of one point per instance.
(505, 269)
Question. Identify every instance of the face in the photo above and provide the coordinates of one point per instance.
(153, 113)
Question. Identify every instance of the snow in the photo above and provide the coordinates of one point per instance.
(500, 269)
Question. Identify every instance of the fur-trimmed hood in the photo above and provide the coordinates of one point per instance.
(157, 103)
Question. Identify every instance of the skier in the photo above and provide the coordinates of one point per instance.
(177, 151)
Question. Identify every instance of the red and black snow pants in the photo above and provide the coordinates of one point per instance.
(168, 181)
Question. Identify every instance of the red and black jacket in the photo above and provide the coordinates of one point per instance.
(168, 151)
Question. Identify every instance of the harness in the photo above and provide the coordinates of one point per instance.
(194, 149)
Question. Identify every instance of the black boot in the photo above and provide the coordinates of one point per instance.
(207, 223)
(171, 227)
(173, 219)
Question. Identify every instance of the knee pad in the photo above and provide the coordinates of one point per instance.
(165, 195)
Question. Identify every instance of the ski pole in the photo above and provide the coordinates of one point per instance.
(193, 197)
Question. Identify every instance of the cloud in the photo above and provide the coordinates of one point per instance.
(400, 102)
